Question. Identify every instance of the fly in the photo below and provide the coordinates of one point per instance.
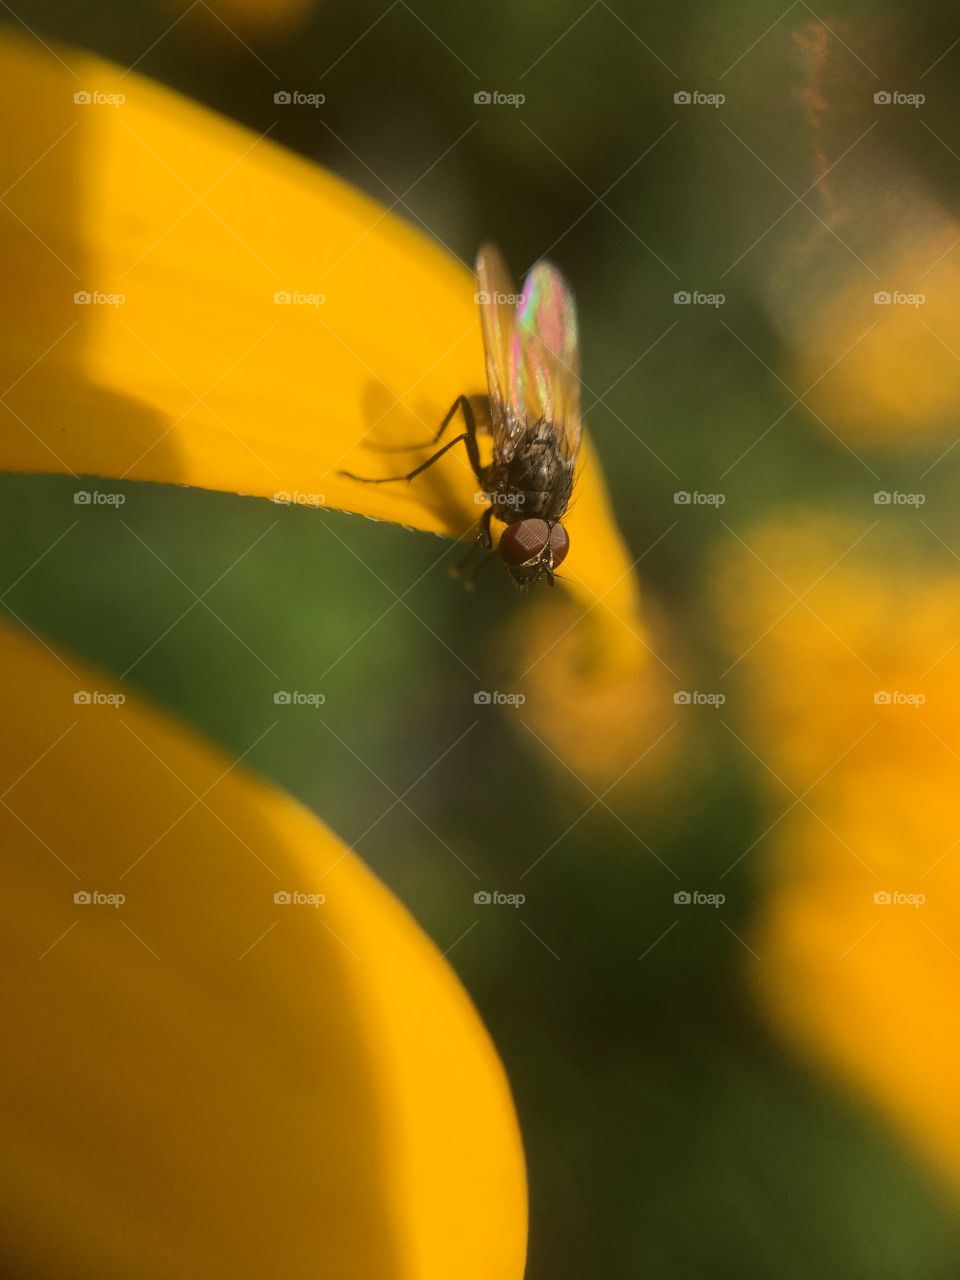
(532, 413)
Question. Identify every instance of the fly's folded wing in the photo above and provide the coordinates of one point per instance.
(545, 363)
(498, 316)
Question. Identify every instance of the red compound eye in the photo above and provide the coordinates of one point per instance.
(524, 540)
(559, 543)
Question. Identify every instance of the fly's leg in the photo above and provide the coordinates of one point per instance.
(471, 580)
(410, 475)
(484, 542)
(484, 538)
(424, 444)
(462, 403)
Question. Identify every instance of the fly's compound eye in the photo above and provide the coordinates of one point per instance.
(524, 540)
(559, 544)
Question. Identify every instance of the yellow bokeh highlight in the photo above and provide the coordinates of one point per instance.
(610, 722)
(867, 307)
(848, 676)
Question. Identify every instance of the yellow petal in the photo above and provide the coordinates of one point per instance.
(183, 230)
(201, 1080)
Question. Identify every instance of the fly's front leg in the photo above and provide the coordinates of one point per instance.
(484, 542)
(410, 475)
(464, 405)
(471, 580)
(469, 437)
(421, 444)
(484, 537)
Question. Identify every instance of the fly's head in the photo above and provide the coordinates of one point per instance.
(532, 548)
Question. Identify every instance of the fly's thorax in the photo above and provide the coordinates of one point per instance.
(538, 475)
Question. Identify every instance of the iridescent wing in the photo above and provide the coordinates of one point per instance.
(497, 298)
(545, 357)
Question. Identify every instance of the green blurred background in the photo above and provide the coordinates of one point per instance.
(667, 1134)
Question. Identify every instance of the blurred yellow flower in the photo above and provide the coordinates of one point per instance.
(229, 1051)
(882, 354)
(850, 682)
